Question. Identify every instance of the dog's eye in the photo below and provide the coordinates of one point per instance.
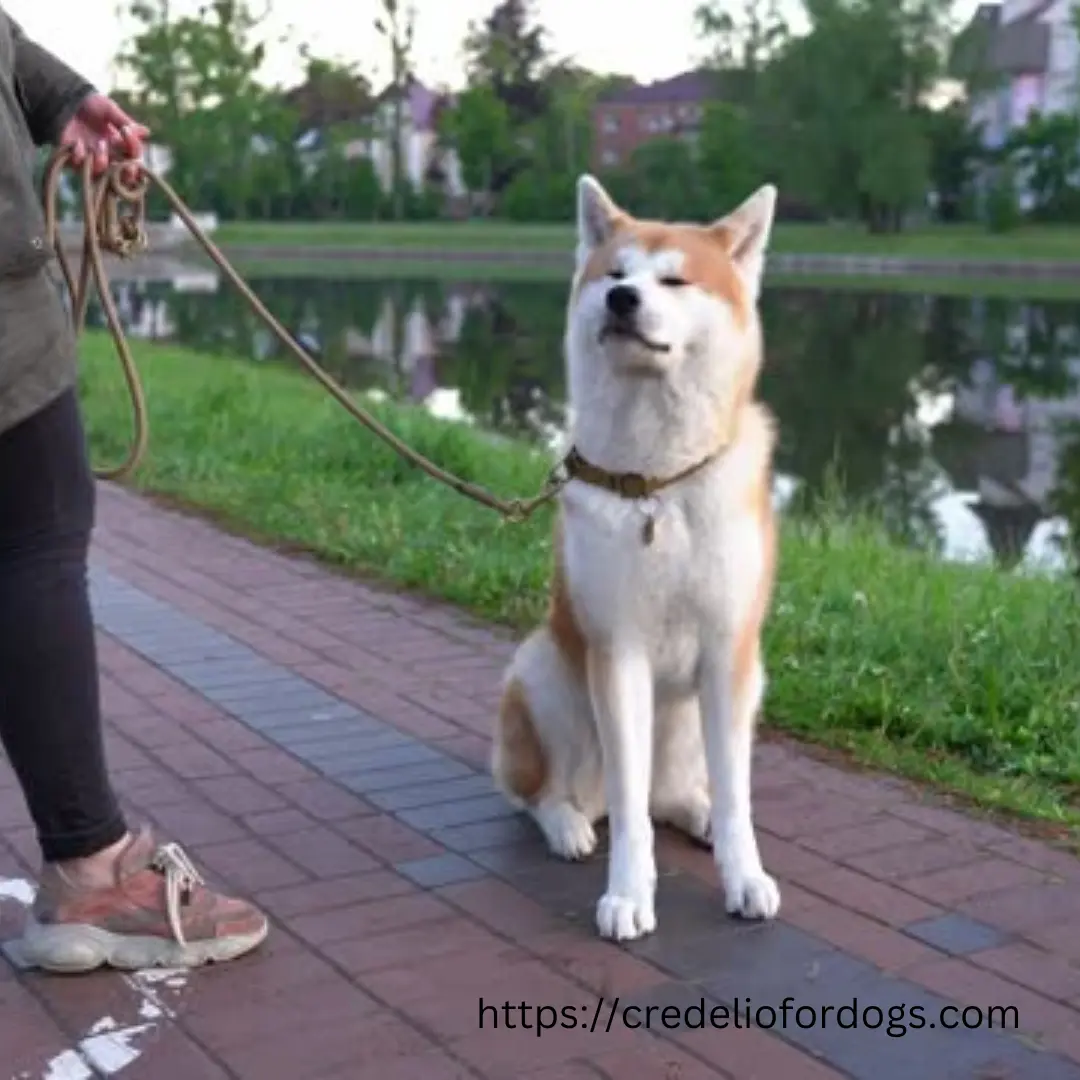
(674, 282)
(616, 274)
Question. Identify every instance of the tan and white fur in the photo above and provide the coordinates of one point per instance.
(637, 698)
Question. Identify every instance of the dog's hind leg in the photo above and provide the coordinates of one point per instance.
(680, 786)
(559, 784)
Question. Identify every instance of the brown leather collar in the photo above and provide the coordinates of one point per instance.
(627, 485)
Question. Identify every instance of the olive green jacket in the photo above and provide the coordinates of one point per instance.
(38, 95)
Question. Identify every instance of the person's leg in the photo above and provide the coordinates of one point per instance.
(49, 720)
(106, 896)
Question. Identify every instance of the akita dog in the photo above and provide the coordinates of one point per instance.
(637, 699)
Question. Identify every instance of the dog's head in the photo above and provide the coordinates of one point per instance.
(651, 297)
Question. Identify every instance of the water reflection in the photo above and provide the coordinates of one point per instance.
(957, 419)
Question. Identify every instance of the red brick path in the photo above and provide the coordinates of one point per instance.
(386, 936)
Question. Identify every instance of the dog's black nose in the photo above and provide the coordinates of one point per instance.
(623, 301)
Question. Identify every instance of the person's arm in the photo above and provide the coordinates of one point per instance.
(49, 91)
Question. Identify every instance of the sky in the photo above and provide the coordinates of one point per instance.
(648, 41)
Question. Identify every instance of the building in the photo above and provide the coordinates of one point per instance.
(1030, 52)
(425, 159)
(624, 119)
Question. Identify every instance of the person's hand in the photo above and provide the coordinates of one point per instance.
(102, 130)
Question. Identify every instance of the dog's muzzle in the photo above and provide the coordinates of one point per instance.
(623, 302)
(627, 329)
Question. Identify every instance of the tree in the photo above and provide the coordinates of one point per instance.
(662, 180)
(955, 151)
(1045, 154)
(849, 97)
(332, 93)
(743, 43)
(725, 155)
(195, 80)
(478, 127)
(397, 28)
(334, 105)
(559, 146)
(277, 174)
(507, 51)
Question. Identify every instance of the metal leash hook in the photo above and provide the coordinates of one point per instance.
(107, 229)
(124, 234)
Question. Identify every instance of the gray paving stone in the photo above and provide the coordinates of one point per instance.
(352, 748)
(312, 733)
(357, 758)
(483, 835)
(437, 870)
(412, 753)
(820, 981)
(701, 941)
(273, 720)
(367, 781)
(267, 688)
(460, 812)
(431, 794)
(172, 655)
(569, 889)
(260, 702)
(518, 861)
(957, 934)
(1018, 1063)
(216, 674)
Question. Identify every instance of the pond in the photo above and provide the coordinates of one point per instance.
(954, 418)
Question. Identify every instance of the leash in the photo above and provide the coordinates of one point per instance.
(114, 221)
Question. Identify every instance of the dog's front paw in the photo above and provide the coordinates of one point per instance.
(752, 896)
(624, 918)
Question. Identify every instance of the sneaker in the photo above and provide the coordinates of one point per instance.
(158, 913)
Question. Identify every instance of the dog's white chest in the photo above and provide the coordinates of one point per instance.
(653, 571)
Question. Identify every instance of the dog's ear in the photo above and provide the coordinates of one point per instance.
(597, 216)
(745, 234)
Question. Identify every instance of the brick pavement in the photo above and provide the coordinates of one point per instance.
(321, 745)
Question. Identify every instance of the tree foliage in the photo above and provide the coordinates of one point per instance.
(834, 108)
(480, 130)
(850, 94)
(507, 51)
(196, 82)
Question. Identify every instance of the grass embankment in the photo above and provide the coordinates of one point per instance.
(960, 675)
(943, 241)
(1013, 286)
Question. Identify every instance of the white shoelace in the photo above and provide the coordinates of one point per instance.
(181, 878)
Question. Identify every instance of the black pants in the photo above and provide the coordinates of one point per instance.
(50, 719)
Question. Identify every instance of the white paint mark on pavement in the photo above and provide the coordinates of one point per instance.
(67, 1066)
(108, 1046)
(18, 889)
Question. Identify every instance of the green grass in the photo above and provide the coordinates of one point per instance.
(943, 241)
(960, 675)
(497, 236)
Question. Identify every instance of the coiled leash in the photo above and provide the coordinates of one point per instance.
(114, 222)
